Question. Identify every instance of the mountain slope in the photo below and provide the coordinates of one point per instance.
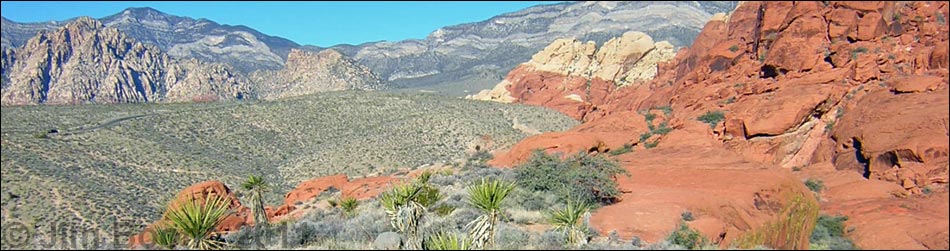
(85, 62)
(122, 162)
(477, 55)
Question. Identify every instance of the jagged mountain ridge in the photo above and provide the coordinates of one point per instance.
(182, 37)
(86, 62)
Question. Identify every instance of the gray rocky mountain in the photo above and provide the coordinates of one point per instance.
(85, 62)
(477, 55)
(181, 37)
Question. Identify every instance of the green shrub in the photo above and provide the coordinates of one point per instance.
(428, 194)
(687, 237)
(687, 216)
(855, 52)
(649, 145)
(667, 110)
(815, 185)
(41, 135)
(625, 149)
(443, 210)
(829, 234)
(649, 117)
(645, 136)
(663, 129)
(734, 48)
(581, 176)
(712, 118)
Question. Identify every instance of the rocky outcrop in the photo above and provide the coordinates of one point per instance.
(239, 216)
(307, 72)
(84, 62)
(859, 87)
(574, 77)
(897, 138)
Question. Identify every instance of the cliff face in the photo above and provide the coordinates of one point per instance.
(84, 62)
(852, 93)
(307, 72)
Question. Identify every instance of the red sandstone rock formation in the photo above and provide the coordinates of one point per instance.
(861, 86)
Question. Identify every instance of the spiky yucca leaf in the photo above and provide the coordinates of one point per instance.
(399, 196)
(196, 220)
(487, 195)
(349, 204)
(446, 241)
(424, 177)
(568, 221)
(164, 236)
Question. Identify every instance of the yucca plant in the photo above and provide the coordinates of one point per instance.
(349, 204)
(486, 196)
(164, 236)
(196, 220)
(569, 221)
(256, 187)
(446, 241)
(404, 212)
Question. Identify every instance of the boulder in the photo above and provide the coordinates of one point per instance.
(387, 241)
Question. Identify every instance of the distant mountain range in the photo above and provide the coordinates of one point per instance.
(86, 62)
(475, 56)
(454, 60)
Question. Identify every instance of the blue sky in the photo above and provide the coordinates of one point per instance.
(314, 23)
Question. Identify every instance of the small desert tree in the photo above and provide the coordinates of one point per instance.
(404, 211)
(486, 196)
(256, 187)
